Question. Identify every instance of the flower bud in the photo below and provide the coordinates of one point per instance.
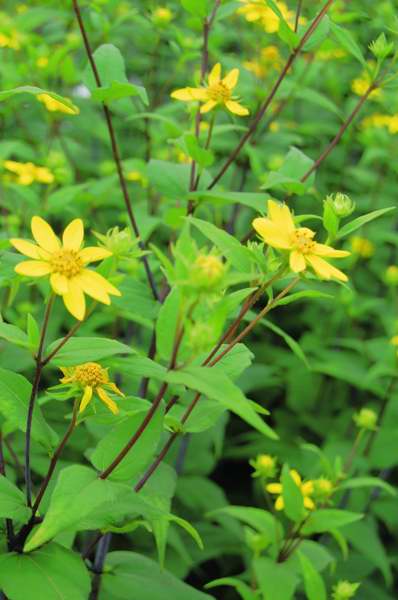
(366, 419)
(264, 466)
(208, 271)
(200, 336)
(323, 489)
(162, 15)
(344, 590)
(119, 242)
(380, 48)
(362, 246)
(341, 204)
(391, 275)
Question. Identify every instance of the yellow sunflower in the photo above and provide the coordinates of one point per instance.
(92, 379)
(279, 231)
(306, 489)
(218, 92)
(66, 264)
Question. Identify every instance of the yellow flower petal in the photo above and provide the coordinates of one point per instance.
(59, 283)
(295, 476)
(88, 394)
(33, 268)
(208, 106)
(308, 503)
(93, 253)
(307, 488)
(324, 270)
(112, 386)
(95, 285)
(231, 79)
(215, 74)
(279, 504)
(329, 252)
(297, 261)
(274, 488)
(44, 235)
(188, 94)
(73, 235)
(281, 216)
(74, 300)
(107, 401)
(26, 248)
(271, 234)
(236, 108)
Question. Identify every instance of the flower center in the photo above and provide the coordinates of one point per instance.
(219, 92)
(90, 374)
(66, 262)
(302, 240)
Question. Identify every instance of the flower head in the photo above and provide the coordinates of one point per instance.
(53, 105)
(279, 231)
(264, 465)
(362, 246)
(306, 488)
(92, 379)
(259, 11)
(323, 489)
(344, 590)
(208, 271)
(66, 264)
(218, 92)
(366, 418)
(13, 40)
(162, 15)
(28, 173)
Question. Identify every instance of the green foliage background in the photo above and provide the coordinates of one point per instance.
(202, 526)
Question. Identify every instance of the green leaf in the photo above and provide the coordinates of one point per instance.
(364, 537)
(51, 573)
(331, 221)
(261, 520)
(33, 332)
(110, 66)
(203, 157)
(320, 34)
(169, 319)
(117, 90)
(131, 575)
(292, 497)
(288, 177)
(172, 180)
(276, 580)
(373, 482)
(14, 334)
(245, 592)
(360, 221)
(313, 582)
(197, 8)
(293, 345)
(15, 391)
(12, 501)
(346, 40)
(139, 456)
(232, 249)
(327, 519)
(78, 350)
(35, 91)
(255, 200)
(80, 500)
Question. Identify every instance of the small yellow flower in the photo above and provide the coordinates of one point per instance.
(344, 590)
(42, 62)
(362, 246)
(92, 379)
(162, 15)
(28, 173)
(323, 489)
(366, 418)
(53, 105)
(279, 231)
(306, 489)
(259, 11)
(391, 275)
(217, 93)
(394, 340)
(208, 270)
(332, 54)
(12, 41)
(264, 466)
(66, 265)
(361, 84)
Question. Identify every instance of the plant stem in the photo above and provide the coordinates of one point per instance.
(55, 459)
(100, 555)
(9, 523)
(35, 389)
(115, 151)
(266, 104)
(298, 13)
(197, 396)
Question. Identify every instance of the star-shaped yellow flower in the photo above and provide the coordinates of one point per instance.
(93, 379)
(306, 489)
(279, 231)
(66, 264)
(259, 11)
(28, 173)
(218, 92)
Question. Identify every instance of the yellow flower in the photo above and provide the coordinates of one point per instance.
(162, 14)
(279, 231)
(42, 62)
(393, 124)
(331, 54)
(258, 11)
(93, 379)
(264, 466)
(362, 246)
(28, 173)
(218, 92)
(207, 271)
(270, 58)
(66, 265)
(10, 41)
(366, 418)
(53, 105)
(306, 490)
(361, 84)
